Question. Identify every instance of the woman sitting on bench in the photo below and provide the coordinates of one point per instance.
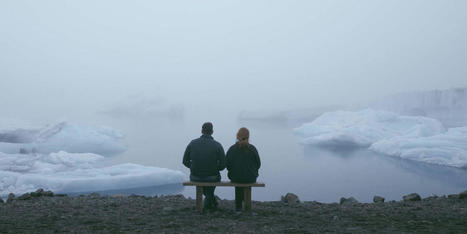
(242, 161)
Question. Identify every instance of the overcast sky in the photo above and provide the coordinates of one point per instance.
(64, 56)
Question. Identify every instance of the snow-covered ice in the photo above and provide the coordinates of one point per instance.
(62, 136)
(64, 172)
(69, 158)
(410, 137)
(449, 148)
(363, 128)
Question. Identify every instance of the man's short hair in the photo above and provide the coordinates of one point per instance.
(207, 128)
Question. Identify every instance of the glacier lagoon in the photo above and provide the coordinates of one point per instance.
(311, 172)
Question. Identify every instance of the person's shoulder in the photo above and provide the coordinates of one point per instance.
(194, 141)
(234, 146)
(217, 143)
(252, 147)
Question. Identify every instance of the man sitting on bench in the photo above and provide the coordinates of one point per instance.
(205, 157)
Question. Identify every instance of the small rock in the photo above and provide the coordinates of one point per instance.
(11, 197)
(290, 198)
(94, 195)
(348, 201)
(431, 198)
(463, 195)
(168, 208)
(378, 199)
(412, 197)
(48, 194)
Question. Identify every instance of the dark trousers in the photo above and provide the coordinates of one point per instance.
(240, 193)
(208, 191)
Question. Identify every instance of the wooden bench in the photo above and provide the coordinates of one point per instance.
(200, 185)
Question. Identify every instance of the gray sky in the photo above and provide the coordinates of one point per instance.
(64, 56)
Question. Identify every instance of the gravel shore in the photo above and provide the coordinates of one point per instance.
(44, 212)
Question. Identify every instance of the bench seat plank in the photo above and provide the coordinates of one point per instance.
(222, 183)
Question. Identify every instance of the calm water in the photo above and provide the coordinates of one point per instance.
(310, 172)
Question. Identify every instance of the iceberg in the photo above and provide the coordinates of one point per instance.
(415, 138)
(145, 107)
(449, 148)
(363, 128)
(68, 158)
(64, 172)
(62, 137)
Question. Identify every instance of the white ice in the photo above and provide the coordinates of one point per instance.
(62, 136)
(64, 172)
(69, 158)
(449, 148)
(410, 137)
(363, 128)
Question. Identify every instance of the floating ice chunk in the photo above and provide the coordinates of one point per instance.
(62, 136)
(363, 128)
(449, 148)
(142, 107)
(64, 172)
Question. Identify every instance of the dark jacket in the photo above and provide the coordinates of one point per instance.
(243, 163)
(204, 156)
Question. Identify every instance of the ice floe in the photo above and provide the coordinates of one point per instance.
(70, 158)
(449, 148)
(363, 128)
(64, 172)
(410, 137)
(61, 137)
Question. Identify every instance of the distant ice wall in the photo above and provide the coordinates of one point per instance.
(449, 106)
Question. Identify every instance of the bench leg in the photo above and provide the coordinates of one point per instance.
(247, 197)
(199, 198)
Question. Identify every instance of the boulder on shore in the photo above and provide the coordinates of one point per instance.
(378, 199)
(412, 197)
(290, 198)
(11, 197)
(463, 195)
(348, 201)
(25, 196)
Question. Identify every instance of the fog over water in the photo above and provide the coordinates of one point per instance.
(156, 70)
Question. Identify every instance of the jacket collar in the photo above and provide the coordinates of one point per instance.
(207, 136)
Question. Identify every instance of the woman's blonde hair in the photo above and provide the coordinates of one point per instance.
(243, 135)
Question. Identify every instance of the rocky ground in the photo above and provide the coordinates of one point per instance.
(44, 212)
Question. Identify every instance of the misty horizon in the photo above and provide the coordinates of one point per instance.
(62, 58)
